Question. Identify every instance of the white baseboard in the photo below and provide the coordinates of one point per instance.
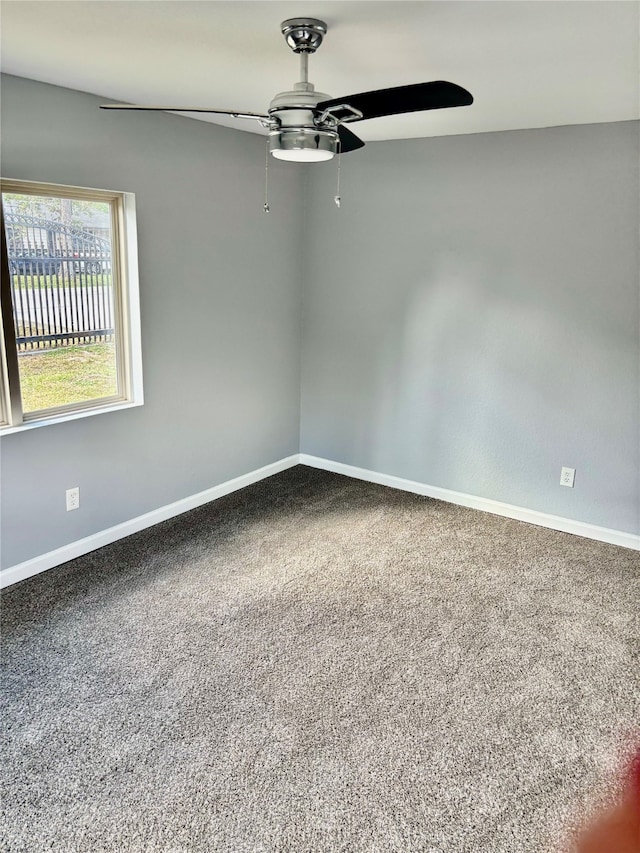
(90, 543)
(532, 516)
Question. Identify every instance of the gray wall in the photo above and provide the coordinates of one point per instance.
(471, 317)
(220, 316)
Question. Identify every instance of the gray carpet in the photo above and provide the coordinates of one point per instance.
(319, 664)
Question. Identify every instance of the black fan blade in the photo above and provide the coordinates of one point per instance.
(183, 110)
(403, 99)
(348, 141)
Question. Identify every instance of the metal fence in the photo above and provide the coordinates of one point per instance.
(61, 283)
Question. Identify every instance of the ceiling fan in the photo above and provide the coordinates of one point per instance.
(309, 126)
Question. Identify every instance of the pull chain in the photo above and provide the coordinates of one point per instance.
(336, 197)
(265, 207)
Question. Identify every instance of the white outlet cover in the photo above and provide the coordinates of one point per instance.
(73, 498)
(567, 477)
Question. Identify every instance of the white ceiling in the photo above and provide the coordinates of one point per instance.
(527, 64)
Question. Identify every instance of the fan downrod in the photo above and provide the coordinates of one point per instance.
(303, 35)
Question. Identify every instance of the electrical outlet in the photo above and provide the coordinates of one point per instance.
(73, 498)
(567, 477)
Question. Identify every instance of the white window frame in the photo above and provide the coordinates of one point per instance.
(126, 315)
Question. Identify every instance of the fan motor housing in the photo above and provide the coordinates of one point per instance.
(303, 95)
(297, 107)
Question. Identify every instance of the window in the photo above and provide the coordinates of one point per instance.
(70, 341)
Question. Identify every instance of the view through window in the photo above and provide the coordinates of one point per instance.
(64, 277)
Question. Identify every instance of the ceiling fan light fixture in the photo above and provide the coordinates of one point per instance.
(306, 126)
(303, 144)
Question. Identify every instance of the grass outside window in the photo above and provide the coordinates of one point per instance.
(68, 374)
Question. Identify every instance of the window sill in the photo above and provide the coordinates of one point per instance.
(69, 416)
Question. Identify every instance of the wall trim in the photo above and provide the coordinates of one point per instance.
(531, 516)
(25, 570)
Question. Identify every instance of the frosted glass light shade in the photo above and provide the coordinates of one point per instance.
(303, 145)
